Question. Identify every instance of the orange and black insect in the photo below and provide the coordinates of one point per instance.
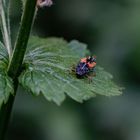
(86, 66)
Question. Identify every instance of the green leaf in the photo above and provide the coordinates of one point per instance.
(79, 48)
(48, 63)
(6, 85)
(102, 83)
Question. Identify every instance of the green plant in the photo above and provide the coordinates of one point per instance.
(42, 66)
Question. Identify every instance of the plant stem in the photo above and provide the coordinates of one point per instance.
(22, 39)
(5, 29)
(17, 59)
(5, 116)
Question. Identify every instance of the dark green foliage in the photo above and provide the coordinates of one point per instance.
(6, 86)
(48, 64)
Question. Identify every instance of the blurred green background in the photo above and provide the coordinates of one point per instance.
(111, 28)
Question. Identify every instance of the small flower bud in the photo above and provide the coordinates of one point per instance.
(43, 3)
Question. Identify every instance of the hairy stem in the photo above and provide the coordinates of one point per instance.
(17, 59)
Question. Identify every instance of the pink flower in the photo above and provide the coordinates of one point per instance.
(43, 3)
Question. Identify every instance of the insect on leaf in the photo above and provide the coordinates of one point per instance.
(48, 64)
